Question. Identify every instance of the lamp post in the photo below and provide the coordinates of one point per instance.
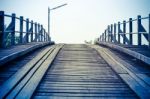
(49, 15)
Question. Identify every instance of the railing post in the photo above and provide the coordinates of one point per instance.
(105, 36)
(108, 33)
(111, 36)
(119, 32)
(124, 32)
(13, 29)
(44, 36)
(2, 29)
(138, 29)
(38, 36)
(31, 31)
(27, 30)
(21, 29)
(35, 25)
(130, 31)
(41, 33)
(115, 32)
(149, 31)
(102, 37)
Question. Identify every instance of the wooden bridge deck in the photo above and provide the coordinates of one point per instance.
(75, 71)
(8, 54)
(79, 72)
(139, 52)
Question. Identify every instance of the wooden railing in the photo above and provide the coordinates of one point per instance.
(135, 32)
(28, 31)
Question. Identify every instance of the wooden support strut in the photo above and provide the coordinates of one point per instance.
(31, 31)
(35, 38)
(108, 31)
(124, 32)
(138, 30)
(105, 36)
(149, 31)
(41, 33)
(2, 44)
(130, 31)
(27, 31)
(38, 35)
(111, 33)
(119, 32)
(21, 30)
(114, 33)
(13, 29)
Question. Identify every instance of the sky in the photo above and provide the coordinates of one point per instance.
(79, 20)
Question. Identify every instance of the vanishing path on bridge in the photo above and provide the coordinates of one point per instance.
(78, 71)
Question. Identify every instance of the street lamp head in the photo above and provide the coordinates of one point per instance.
(59, 6)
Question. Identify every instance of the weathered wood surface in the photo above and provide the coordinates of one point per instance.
(79, 72)
(7, 70)
(13, 52)
(21, 85)
(134, 72)
(139, 52)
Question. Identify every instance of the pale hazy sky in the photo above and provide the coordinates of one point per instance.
(81, 19)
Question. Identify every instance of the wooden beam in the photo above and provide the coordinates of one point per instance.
(130, 31)
(27, 31)
(13, 29)
(21, 29)
(119, 32)
(134, 54)
(138, 30)
(2, 44)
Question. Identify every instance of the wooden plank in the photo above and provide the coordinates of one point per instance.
(140, 90)
(78, 78)
(145, 78)
(13, 80)
(30, 87)
(22, 83)
(134, 54)
(11, 55)
(129, 76)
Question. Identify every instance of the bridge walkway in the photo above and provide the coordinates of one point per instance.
(75, 71)
(13, 52)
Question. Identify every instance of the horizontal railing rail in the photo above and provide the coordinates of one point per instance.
(119, 33)
(28, 31)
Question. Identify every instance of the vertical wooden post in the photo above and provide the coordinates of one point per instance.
(2, 29)
(108, 33)
(111, 36)
(44, 36)
(35, 25)
(102, 37)
(130, 31)
(47, 36)
(149, 31)
(119, 32)
(41, 33)
(21, 29)
(27, 30)
(138, 29)
(115, 32)
(105, 36)
(31, 31)
(38, 36)
(124, 32)
(13, 29)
